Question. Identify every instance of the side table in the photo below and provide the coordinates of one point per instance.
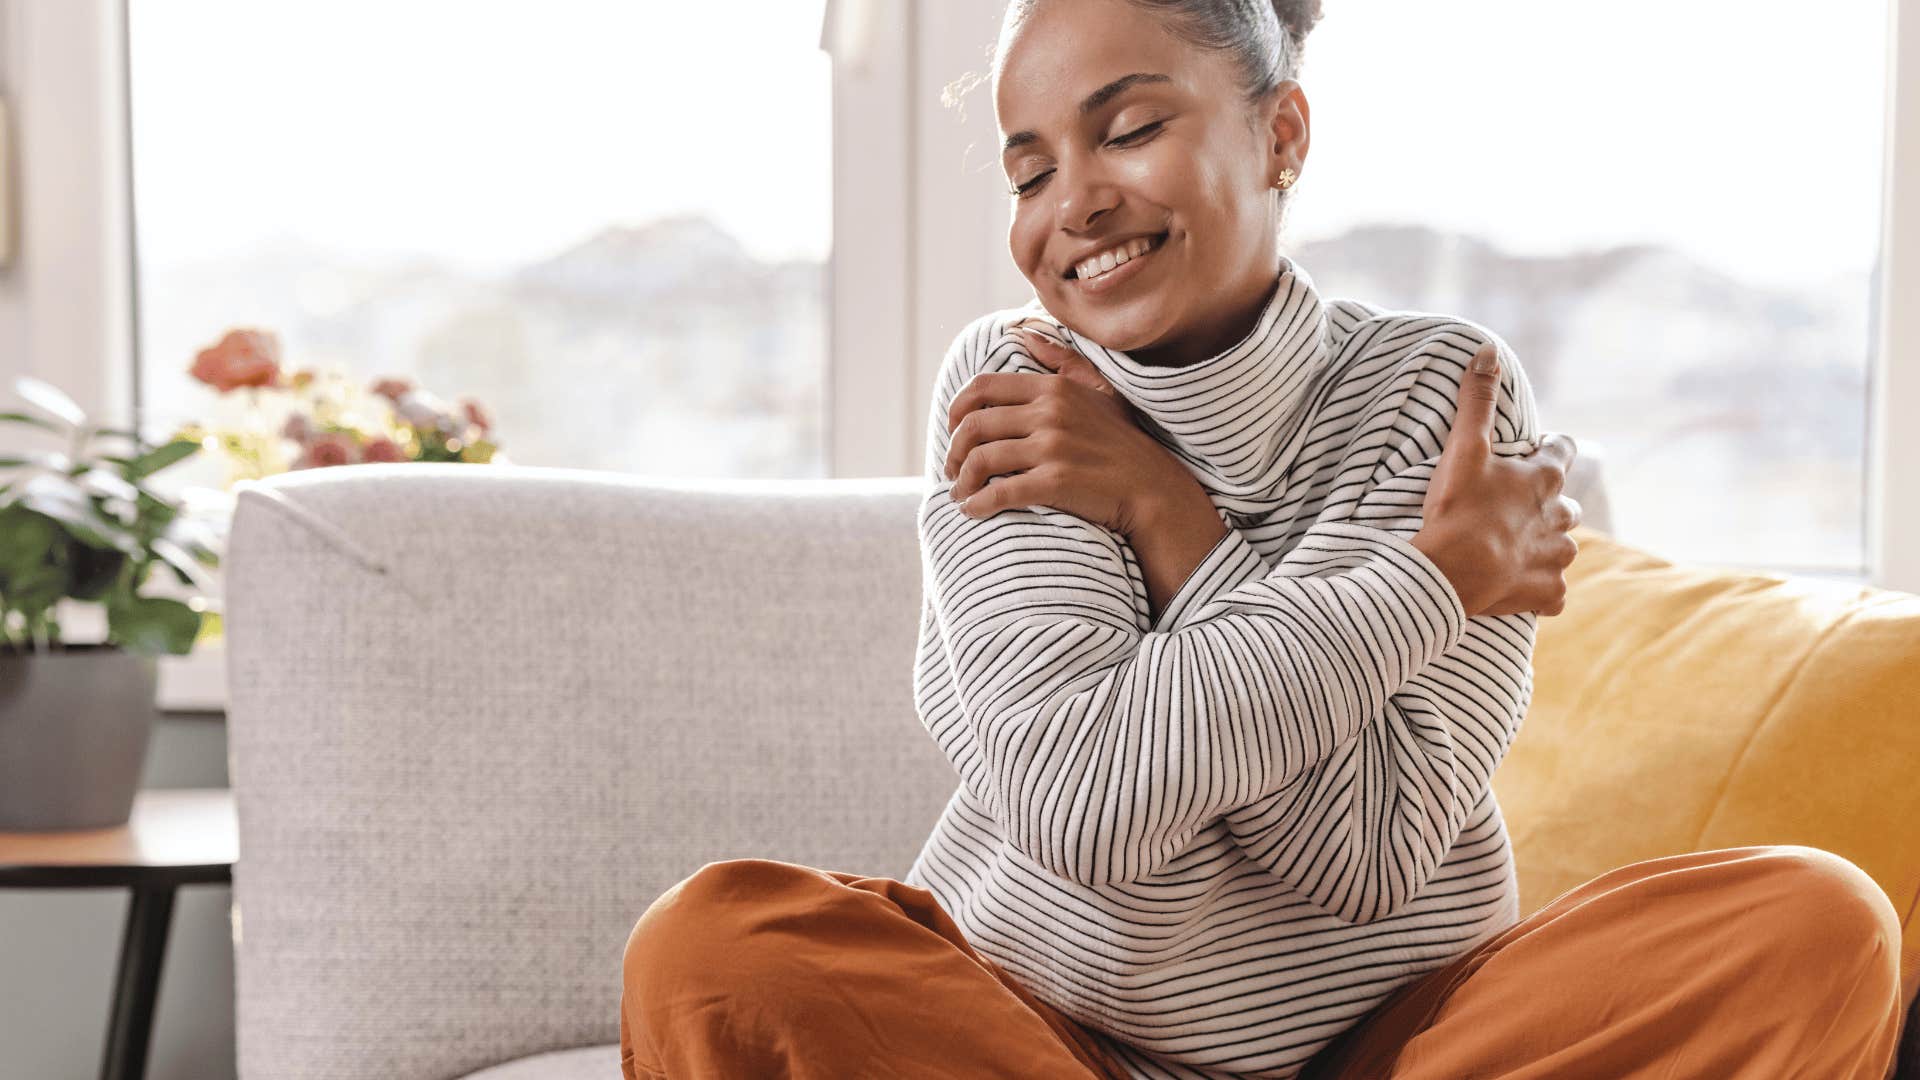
(176, 836)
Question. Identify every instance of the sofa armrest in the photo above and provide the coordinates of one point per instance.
(480, 716)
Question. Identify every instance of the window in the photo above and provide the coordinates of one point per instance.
(608, 223)
(1671, 211)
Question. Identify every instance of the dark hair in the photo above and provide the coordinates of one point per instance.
(1266, 38)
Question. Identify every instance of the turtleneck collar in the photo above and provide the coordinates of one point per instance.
(1232, 416)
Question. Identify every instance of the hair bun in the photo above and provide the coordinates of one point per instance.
(1298, 16)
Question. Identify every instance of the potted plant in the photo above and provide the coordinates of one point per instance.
(84, 524)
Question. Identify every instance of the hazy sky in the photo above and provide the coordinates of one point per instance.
(488, 131)
(1747, 133)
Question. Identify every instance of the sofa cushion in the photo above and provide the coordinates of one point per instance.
(581, 1063)
(1680, 707)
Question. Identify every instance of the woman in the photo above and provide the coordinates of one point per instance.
(1231, 593)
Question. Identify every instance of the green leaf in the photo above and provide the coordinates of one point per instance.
(33, 551)
(91, 572)
(35, 588)
(154, 460)
(152, 625)
(120, 433)
(30, 418)
(27, 539)
(64, 503)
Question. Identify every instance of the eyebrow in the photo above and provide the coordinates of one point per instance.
(1093, 101)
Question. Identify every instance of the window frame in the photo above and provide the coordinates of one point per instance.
(1893, 385)
(896, 292)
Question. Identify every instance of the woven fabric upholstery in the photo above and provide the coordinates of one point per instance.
(585, 1063)
(480, 716)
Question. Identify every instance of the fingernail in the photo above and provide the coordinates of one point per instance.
(1486, 362)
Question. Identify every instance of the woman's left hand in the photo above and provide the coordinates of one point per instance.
(1067, 440)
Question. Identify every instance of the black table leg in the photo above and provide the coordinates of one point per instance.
(137, 986)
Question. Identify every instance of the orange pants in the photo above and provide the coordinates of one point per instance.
(1763, 962)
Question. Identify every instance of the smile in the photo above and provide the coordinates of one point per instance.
(1108, 268)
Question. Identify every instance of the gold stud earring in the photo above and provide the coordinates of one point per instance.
(1286, 179)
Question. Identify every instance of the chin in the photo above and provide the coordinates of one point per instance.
(1126, 327)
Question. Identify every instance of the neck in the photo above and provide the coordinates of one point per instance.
(1217, 331)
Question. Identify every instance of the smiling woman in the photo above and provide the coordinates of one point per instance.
(1199, 165)
(1231, 592)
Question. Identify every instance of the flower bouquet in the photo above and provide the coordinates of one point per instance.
(306, 419)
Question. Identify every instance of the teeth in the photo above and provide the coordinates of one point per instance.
(1099, 264)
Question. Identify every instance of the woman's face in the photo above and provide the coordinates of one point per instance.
(1121, 138)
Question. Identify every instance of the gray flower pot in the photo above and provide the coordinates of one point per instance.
(74, 726)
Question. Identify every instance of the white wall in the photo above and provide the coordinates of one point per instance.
(920, 218)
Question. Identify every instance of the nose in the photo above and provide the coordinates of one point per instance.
(1085, 197)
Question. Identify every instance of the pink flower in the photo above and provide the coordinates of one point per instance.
(392, 388)
(297, 428)
(476, 415)
(334, 448)
(242, 358)
(381, 448)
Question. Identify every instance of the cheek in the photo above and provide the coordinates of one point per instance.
(1166, 175)
(1027, 242)
(1214, 202)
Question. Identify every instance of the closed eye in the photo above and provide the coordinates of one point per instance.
(1137, 135)
(1026, 189)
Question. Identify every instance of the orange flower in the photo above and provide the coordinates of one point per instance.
(242, 358)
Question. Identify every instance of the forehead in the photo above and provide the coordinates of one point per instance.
(1066, 49)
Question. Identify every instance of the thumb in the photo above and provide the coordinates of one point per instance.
(1479, 390)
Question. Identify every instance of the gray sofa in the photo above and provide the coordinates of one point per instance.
(480, 716)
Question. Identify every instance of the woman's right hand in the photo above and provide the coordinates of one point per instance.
(1497, 526)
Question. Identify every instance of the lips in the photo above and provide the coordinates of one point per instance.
(1106, 261)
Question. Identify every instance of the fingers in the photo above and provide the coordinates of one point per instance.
(1479, 391)
(1543, 589)
(1063, 361)
(995, 388)
(985, 426)
(1558, 448)
(1051, 354)
(1001, 459)
(1566, 513)
(1027, 488)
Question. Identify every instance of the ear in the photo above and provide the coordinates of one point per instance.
(1286, 124)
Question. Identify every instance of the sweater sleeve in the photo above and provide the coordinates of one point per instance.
(1104, 744)
(1363, 829)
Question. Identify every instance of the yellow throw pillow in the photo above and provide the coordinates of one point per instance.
(1680, 708)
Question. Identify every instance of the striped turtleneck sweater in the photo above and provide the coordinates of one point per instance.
(1219, 835)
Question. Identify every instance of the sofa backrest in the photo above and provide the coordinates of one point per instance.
(479, 717)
